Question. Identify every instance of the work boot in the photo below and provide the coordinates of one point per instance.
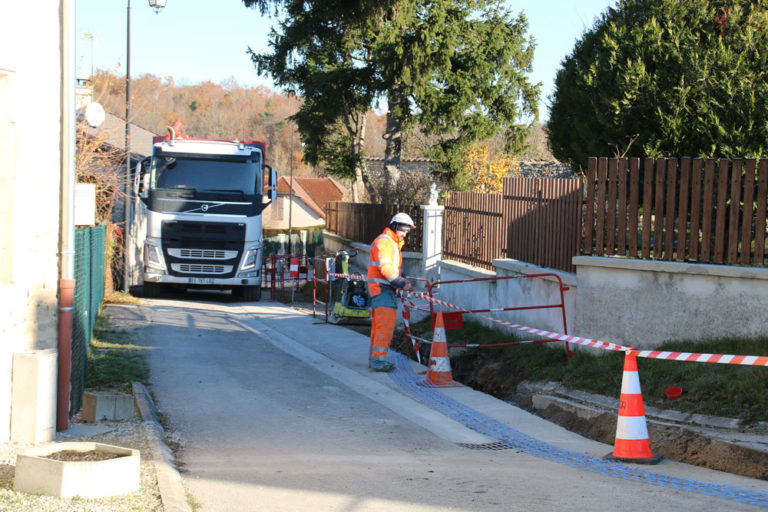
(382, 366)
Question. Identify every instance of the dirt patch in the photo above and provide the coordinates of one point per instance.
(76, 456)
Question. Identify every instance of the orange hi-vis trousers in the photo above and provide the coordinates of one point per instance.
(382, 327)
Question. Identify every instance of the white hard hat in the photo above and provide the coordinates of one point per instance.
(403, 218)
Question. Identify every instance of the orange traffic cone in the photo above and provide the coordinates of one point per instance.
(439, 373)
(631, 430)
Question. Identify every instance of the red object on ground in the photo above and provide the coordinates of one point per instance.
(452, 320)
(673, 392)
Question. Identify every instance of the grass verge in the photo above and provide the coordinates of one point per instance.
(715, 389)
(114, 361)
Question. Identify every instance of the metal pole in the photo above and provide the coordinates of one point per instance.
(290, 204)
(127, 200)
(290, 215)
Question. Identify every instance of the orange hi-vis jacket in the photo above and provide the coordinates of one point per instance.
(386, 262)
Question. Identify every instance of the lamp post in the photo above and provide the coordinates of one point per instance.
(156, 5)
(290, 204)
(90, 36)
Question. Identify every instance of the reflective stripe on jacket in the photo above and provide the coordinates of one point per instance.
(386, 261)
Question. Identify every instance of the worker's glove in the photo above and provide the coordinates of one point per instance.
(401, 283)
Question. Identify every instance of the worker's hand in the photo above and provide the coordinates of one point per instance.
(407, 286)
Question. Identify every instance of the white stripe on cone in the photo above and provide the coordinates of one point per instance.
(439, 364)
(630, 384)
(631, 428)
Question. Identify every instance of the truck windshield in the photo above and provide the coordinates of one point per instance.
(203, 175)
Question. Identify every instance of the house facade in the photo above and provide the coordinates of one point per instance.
(305, 207)
(30, 178)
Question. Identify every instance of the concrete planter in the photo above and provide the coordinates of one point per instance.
(36, 474)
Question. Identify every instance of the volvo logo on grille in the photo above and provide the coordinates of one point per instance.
(204, 208)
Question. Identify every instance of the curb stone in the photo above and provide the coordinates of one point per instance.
(172, 492)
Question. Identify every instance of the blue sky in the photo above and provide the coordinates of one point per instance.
(198, 40)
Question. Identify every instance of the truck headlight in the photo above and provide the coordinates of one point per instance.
(153, 256)
(250, 258)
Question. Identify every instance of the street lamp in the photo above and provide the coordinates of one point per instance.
(156, 5)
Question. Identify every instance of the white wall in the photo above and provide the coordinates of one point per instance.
(642, 303)
(30, 162)
(517, 292)
(275, 216)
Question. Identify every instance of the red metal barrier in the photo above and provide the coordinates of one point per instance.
(322, 261)
(276, 270)
(455, 323)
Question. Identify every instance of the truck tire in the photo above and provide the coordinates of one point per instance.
(250, 293)
(152, 290)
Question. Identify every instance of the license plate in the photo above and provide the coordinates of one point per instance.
(200, 280)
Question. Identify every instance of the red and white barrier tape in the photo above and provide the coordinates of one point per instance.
(357, 277)
(693, 357)
(538, 332)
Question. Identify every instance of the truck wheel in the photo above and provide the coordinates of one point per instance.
(152, 290)
(250, 293)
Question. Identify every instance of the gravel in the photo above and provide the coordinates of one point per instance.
(128, 434)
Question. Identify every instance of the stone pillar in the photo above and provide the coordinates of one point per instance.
(33, 402)
(432, 240)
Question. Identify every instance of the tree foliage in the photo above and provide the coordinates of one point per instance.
(486, 172)
(456, 70)
(208, 110)
(664, 77)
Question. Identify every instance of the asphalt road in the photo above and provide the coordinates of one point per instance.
(277, 414)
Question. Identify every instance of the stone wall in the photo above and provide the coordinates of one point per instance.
(544, 169)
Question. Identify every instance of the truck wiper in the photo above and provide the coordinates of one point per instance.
(180, 192)
(224, 192)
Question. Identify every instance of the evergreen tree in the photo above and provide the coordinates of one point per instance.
(454, 69)
(664, 77)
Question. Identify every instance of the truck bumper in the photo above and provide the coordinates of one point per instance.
(202, 281)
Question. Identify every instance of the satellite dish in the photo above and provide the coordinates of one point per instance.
(94, 114)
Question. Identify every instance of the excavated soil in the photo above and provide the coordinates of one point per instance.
(490, 375)
(486, 372)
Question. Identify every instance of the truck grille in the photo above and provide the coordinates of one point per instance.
(196, 268)
(208, 254)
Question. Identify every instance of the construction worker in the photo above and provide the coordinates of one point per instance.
(383, 278)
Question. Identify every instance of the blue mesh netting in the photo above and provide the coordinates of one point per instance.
(505, 435)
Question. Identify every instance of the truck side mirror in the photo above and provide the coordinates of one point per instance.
(136, 174)
(271, 183)
(144, 187)
(141, 179)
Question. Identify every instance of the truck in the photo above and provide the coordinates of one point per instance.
(198, 214)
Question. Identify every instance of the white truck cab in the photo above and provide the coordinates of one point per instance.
(198, 221)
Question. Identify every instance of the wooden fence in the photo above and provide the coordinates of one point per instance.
(473, 231)
(536, 220)
(688, 209)
(709, 211)
(364, 222)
